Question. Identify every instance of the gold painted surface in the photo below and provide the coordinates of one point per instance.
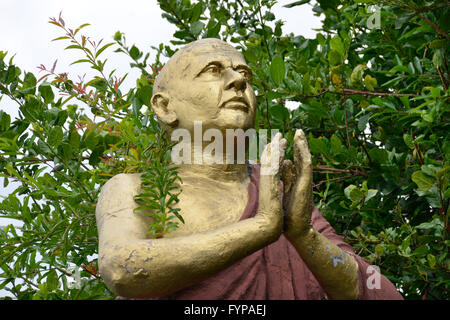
(209, 81)
(336, 270)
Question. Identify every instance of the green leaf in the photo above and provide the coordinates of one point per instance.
(46, 92)
(75, 140)
(213, 29)
(55, 136)
(438, 60)
(371, 193)
(370, 82)
(431, 260)
(334, 57)
(91, 140)
(357, 73)
(423, 181)
(435, 92)
(435, 223)
(81, 27)
(317, 146)
(145, 94)
(197, 11)
(421, 251)
(65, 151)
(271, 95)
(379, 249)
(103, 49)
(279, 112)
(336, 144)
(277, 70)
(61, 118)
(134, 53)
(362, 122)
(337, 44)
(74, 46)
(61, 38)
(80, 61)
(353, 193)
(52, 280)
(197, 27)
(406, 243)
(117, 36)
(436, 44)
(379, 156)
(408, 140)
(418, 65)
(444, 172)
(98, 83)
(430, 170)
(29, 81)
(296, 3)
(5, 121)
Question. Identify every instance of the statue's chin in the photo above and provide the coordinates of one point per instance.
(234, 119)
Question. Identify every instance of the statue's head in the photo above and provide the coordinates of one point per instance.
(208, 81)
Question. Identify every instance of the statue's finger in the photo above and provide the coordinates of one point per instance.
(303, 165)
(289, 175)
(305, 155)
(282, 149)
(298, 138)
(265, 155)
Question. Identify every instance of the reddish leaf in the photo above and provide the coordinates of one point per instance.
(61, 38)
(43, 77)
(54, 66)
(61, 19)
(80, 27)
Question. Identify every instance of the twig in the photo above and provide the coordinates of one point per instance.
(441, 75)
(352, 171)
(346, 121)
(64, 271)
(346, 91)
(267, 114)
(380, 94)
(334, 179)
(438, 31)
(364, 149)
(419, 154)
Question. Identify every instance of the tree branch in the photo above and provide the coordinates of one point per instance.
(346, 121)
(380, 94)
(323, 169)
(431, 24)
(334, 179)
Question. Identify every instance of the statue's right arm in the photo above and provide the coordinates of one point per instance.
(133, 266)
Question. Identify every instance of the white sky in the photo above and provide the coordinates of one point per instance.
(25, 31)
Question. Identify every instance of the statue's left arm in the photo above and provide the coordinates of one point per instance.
(338, 271)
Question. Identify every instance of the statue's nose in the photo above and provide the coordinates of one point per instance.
(235, 80)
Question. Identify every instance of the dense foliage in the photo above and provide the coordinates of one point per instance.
(370, 90)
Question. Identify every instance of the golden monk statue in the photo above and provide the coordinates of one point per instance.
(238, 240)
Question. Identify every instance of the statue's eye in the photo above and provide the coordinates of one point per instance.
(246, 74)
(212, 69)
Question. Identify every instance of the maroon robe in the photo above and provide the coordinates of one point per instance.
(277, 271)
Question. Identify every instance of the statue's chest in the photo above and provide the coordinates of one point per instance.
(206, 208)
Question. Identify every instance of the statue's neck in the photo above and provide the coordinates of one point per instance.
(217, 172)
(217, 164)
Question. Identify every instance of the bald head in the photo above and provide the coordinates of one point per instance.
(209, 81)
(178, 66)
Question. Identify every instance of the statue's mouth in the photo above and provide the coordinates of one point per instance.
(237, 103)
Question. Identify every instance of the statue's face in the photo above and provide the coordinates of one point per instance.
(214, 87)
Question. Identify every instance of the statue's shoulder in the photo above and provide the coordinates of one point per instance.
(119, 191)
(123, 180)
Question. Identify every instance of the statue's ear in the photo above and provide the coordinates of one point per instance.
(160, 103)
